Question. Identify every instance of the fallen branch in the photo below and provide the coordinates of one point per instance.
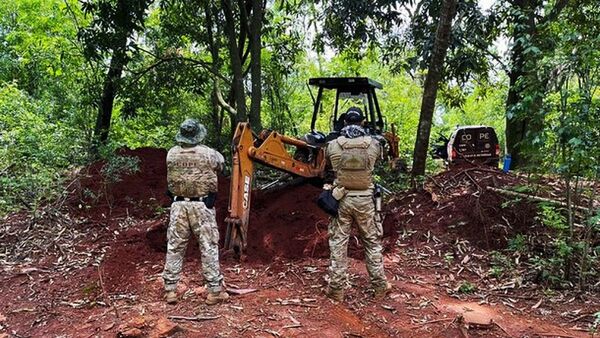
(273, 332)
(294, 302)
(104, 295)
(479, 168)
(240, 291)
(511, 296)
(298, 304)
(501, 328)
(576, 319)
(194, 319)
(26, 271)
(535, 198)
(432, 322)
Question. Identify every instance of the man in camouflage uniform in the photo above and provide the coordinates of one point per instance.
(352, 157)
(192, 178)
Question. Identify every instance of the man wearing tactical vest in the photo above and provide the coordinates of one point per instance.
(192, 180)
(352, 157)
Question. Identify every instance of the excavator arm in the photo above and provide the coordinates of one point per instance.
(269, 148)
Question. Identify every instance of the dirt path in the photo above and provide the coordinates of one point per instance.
(288, 303)
(94, 269)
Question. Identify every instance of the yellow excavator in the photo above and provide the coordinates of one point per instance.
(307, 159)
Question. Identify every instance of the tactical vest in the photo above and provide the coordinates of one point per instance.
(189, 172)
(355, 167)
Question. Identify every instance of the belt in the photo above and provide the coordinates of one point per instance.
(359, 195)
(188, 199)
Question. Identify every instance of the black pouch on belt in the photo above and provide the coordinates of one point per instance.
(328, 203)
(210, 200)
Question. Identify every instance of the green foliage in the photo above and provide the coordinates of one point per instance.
(467, 287)
(34, 151)
(112, 23)
(355, 26)
(448, 258)
(596, 323)
(116, 166)
(44, 107)
(523, 188)
(500, 264)
(552, 218)
(518, 243)
(496, 271)
(552, 264)
(551, 268)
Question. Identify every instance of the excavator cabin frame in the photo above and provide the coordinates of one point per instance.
(308, 160)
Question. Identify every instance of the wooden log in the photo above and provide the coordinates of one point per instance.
(535, 198)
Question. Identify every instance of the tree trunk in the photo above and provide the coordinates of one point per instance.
(523, 120)
(517, 121)
(214, 47)
(239, 93)
(255, 63)
(109, 92)
(430, 88)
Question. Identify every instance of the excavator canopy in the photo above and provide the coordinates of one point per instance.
(358, 90)
(344, 82)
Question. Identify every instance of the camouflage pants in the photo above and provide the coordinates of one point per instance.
(186, 218)
(359, 210)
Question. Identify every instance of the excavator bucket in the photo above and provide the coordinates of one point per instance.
(268, 148)
(241, 186)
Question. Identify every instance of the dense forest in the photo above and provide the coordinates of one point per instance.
(81, 80)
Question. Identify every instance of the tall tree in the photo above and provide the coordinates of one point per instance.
(432, 42)
(432, 81)
(235, 42)
(255, 61)
(237, 27)
(110, 36)
(528, 29)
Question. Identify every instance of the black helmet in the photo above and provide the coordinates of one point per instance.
(354, 115)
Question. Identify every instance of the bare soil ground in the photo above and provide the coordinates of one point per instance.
(90, 266)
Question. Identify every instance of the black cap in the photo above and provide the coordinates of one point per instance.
(354, 115)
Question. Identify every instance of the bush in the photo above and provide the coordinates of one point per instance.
(35, 150)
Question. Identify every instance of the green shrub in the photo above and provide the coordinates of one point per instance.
(466, 287)
(596, 322)
(552, 218)
(35, 150)
(116, 166)
(518, 243)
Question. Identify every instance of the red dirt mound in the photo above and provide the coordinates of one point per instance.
(288, 223)
(284, 222)
(457, 204)
(139, 195)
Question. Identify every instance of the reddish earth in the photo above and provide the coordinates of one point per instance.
(117, 241)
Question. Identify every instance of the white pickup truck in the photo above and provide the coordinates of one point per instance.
(477, 144)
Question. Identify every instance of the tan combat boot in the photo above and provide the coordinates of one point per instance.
(335, 294)
(171, 297)
(216, 297)
(381, 292)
